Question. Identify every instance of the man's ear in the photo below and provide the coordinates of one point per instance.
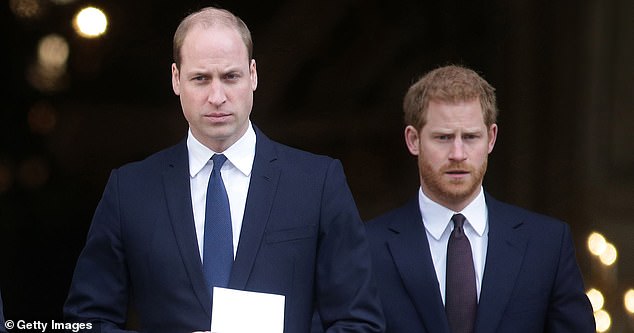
(412, 140)
(253, 73)
(493, 134)
(176, 82)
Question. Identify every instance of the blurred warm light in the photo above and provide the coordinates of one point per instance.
(42, 118)
(49, 72)
(628, 300)
(90, 22)
(52, 51)
(596, 243)
(603, 321)
(596, 299)
(47, 79)
(33, 172)
(608, 257)
(27, 9)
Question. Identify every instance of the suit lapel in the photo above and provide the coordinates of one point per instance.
(505, 253)
(262, 187)
(410, 250)
(178, 196)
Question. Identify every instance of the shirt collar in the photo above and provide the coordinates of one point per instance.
(436, 217)
(241, 154)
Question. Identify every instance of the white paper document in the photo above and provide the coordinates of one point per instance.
(238, 311)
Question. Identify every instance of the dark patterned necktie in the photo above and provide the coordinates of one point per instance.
(218, 237)
(461, 299)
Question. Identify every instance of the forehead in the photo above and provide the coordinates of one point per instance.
(465, 113)
(212, 41)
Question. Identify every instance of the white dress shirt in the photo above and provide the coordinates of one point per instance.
(236, 175)
(438, 227)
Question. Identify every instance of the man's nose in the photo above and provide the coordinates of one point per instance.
(457, 150)
(217, 94)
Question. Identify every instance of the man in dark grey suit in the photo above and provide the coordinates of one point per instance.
(517, 270)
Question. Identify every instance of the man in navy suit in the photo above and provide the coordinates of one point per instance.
(295, 227)
(521, 266)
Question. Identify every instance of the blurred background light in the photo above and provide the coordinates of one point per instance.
(596, 243)
(49, 72)
(26, 9)
(90, 22)
(608, 257)
(53, 51)
(603, 320)
(596, 299)
(46, 79)
(628, 301)
(33, 172)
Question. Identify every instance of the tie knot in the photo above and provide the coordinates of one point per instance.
(458, 220)
(219, 160)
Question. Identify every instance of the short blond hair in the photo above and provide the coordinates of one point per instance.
(208, 17)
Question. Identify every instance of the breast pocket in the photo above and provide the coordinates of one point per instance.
(285, 261)
(292, 234)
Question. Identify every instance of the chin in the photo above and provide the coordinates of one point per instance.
(459, 192)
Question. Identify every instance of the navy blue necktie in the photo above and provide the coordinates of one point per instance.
(218, 242)
(461, 299)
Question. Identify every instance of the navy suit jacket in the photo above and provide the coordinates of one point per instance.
(2, 328)
(531, 280)
(301, 237)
